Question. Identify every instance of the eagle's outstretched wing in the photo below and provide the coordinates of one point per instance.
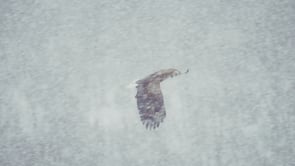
(150, 102)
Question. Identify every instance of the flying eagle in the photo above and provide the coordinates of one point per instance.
(150, 102)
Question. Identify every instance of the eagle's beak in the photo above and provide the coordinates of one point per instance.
(177, 72)
(187, 70)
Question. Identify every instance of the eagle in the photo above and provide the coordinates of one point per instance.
(150, 102)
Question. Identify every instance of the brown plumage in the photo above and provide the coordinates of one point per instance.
(150, 102)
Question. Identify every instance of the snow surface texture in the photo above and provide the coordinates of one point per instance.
(66, 66)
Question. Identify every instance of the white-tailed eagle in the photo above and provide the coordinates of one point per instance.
(150, 102)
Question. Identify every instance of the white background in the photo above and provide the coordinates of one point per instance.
(65, 67)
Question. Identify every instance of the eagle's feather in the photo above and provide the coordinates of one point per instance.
(150, 102)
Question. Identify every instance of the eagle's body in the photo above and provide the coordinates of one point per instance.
(150, 102)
